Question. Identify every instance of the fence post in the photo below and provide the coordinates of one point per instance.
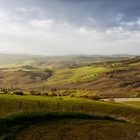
(39, 104)
(58, 105)
(72, 110)
(19, 107)
(81, 108)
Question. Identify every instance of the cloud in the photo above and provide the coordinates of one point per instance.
(52, 36)
(41, 24)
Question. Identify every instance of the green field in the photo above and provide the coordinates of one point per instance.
(133, 103)
(76, 75)
(13, 103)
(10, 104)
(37, 114)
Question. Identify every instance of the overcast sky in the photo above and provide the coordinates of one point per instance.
(63, 27)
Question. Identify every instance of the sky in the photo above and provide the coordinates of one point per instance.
(65, 27)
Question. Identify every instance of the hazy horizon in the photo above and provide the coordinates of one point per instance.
(69, 27)
(61, 55)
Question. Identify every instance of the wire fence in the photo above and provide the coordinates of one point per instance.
(38, 106)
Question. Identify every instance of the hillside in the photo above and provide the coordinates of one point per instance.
(109, 76)
(118, 79)
(24, 77)
(73, 119)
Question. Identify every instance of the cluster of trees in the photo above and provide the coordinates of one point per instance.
(54, 92)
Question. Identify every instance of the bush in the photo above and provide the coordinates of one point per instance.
(72, 95)
(44, 94)
(53, 94)
(2, 92)
(35, 92)
(18, 92)
(95, 97)
(138, 94)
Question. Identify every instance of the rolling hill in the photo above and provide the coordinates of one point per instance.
(88, 120)
(108, 76)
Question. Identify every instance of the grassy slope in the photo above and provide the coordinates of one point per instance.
(133, 103)
(64, 126)
(119, 81)
(84, 127)
(80, 130)
(10, 104)
(23, 77)
(76, 75)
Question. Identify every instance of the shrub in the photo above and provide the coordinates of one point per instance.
(44, 94)
(18, 92)
(2, 92)
(54, 94)
(72, 95)
(138, 94)
(33, 92)
(95, 97)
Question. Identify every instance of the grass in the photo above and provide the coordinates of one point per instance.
(37, 110)
(79, 129)
(11, 104)
(11, 125)
(133, 103)
(76, 75)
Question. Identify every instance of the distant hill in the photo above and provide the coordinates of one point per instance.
(106, 75)
(13, 60)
